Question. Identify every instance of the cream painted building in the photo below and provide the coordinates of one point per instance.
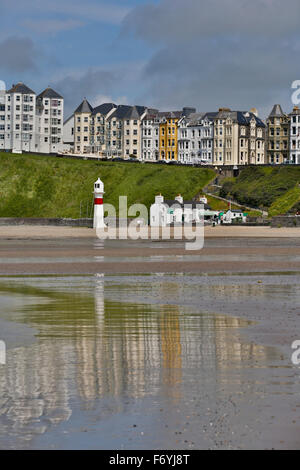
(82, 122)
(108, 130)
(98, 127)
(239, 138)
(124, 128)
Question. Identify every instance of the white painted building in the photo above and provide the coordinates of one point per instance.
(17, 119)
(232, 216)
(2, 119)
(150, 136)
(207, 139)
(165, 212)
(132, 131)
(295, 136)
(68, 133)
(195, 138)
(49, 122)
(29, 123)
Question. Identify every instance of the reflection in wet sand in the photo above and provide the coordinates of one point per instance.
(89, 347)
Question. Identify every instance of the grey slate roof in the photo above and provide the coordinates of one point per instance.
(104, 108)
(241, 117)
(50, 93)
(170, 114)
(128, 112)
(195, 118)
(84, 107)
(276, 111)
(121, 112)
(193, 204)
(140, 109)
(21, 88)
(296, 111)
(210, 115)
(70, 117)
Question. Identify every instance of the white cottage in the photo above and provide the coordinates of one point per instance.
(165, 212)
(232, 216)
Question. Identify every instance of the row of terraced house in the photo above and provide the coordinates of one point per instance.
(35, 123)
(219, 138)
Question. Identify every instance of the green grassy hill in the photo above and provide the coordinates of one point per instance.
(272, 188)
(39, 186)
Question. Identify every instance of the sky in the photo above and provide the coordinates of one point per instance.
(165, 54)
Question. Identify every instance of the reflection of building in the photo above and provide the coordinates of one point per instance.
(89, 347)
(34, 391)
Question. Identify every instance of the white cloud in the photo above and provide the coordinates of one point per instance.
(213, 53)
(100, 99)
(178, 21)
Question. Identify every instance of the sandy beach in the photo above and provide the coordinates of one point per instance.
(44, 232)
(65, 250)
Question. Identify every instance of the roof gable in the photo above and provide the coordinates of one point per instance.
(50, 93)
(276, 111)
(21, 88)
(84, 107)
(104, 108)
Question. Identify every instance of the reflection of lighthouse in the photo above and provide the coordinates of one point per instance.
(98, 204)
(99, 297)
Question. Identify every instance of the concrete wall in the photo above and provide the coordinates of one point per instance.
(285, 221)
(56, 222)
(44, 221)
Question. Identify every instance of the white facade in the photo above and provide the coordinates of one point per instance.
(230, 216)
(177, 211)
(132, 136)
(2, 119)
(68, 132)
(29, 123)
(49, 122)
(295, 136)
(17, 119)
(150, 138)
(195, 138)
(187, 141)
(207, 139)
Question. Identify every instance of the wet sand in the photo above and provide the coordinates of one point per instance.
(152, 362)
(240, 392)
(59, 250)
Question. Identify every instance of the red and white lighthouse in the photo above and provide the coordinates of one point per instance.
(98, 204)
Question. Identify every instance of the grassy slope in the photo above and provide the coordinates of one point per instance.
(219, 205)
(263, 186)
(39, 186)
(285, 202)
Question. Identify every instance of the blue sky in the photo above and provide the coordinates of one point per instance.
(160, 53)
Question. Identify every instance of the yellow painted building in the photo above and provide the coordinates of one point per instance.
(168, 135)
